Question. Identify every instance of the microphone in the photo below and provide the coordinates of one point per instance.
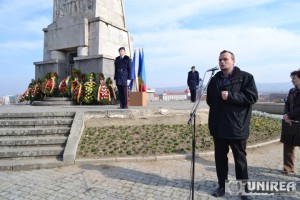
(212, 69)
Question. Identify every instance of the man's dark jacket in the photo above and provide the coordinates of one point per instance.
(193, 80)
(292, 109)
(230, 119)
(122, 70)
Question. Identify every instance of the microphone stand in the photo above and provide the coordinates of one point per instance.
(191, 119)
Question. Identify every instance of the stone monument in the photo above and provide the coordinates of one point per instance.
(86, 35)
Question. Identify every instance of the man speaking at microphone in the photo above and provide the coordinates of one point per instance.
(230, 95)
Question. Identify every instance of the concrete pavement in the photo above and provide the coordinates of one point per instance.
(166, 179)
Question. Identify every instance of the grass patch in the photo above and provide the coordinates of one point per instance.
(160, 139)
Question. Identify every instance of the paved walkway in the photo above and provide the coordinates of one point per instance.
(166, 180)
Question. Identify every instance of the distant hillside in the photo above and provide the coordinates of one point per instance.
(264, 88)
(171, 89)
(274, 87)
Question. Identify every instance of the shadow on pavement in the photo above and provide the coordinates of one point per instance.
(152, 179)
(262, 173)
(203, 186)
(135, 176)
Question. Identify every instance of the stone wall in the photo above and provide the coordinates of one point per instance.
(45, 67)
(66, 33)
(273, 108)
(96, 64)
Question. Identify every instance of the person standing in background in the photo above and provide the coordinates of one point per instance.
(193, 82)
(122, 76)
(291, 112)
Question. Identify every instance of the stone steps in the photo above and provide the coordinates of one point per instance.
(38, 131)
(53, 101)
(26, 141)
(36, 115)
(36, 151)
(33, 140)
(35, 122)
(26, 164)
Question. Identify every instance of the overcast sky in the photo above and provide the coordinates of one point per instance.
(175, 34)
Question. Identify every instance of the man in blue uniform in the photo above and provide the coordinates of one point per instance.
(193, 82)
(122, 76)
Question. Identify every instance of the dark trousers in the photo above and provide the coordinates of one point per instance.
(193, 95)
(122, 90)
(238, 148)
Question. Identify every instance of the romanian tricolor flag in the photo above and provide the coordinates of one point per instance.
(133, 83)
(142, 72)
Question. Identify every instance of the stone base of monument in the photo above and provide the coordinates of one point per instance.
(137, 99)
(53, 101)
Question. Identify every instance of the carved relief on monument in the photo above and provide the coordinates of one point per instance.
(72, 7)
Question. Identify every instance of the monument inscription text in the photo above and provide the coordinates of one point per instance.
(72, 7)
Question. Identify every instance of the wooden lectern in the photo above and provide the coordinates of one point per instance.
(137, 99)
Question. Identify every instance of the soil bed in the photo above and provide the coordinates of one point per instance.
(159, 136)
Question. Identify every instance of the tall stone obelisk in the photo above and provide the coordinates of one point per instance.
(86, 35)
